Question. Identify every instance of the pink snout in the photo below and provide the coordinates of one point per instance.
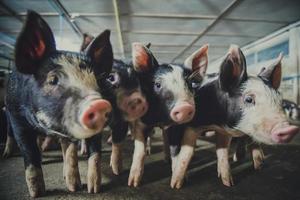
(284, 134)
(135, 105)
(95, 116)
(182, 113)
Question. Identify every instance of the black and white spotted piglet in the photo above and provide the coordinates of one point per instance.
(232, 105)
(57, 92)
(169, 92)
(130, 105)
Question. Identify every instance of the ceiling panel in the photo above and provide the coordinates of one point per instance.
(196, 7)
(272, 10)
(23, 5)
(169, 25)
(88, 6)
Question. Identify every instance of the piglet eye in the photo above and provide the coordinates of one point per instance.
(157, 86)
(249, 99)
(113, 78)
(53, 80)
(195, 85)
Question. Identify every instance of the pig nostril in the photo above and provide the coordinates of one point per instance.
(133, 107)
(91, 116)
(138, 101)
(281, 135)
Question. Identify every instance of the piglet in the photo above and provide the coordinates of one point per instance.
(233, 104)
(57, 93)
(169, 92)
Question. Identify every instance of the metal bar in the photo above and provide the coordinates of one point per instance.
(62, 11)
(118, 26)
(159, 15)
(212, 24)
(150, 32)
(10, 11)
(184, 45)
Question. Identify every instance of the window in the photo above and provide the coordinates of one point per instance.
(273, 52)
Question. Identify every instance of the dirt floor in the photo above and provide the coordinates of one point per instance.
(278, 179)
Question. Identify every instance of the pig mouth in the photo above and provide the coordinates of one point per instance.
(133, 107)
(138, 112)
(283, 133)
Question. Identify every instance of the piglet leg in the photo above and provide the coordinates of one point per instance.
(183, 158)
(83, 147)
(26, 139)
(137, 166)
(35, 180)
(257, 155)
(94, 163)
(116, 158)
(71, 170)
(9, 147)
(94, 173)
(223, 143)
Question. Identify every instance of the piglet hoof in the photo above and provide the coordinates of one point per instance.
(226, 178)
(148, 150)
(116, 163)
(94, 174)
(235, 157)
(177, 179)
(109, 140)
(72, 178)
(46, 143)
(135, 176)
(83, 149)
(35, 181)
(148, 146)
(258, 158)
(9, 147)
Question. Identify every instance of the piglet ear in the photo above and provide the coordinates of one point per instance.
(233, 70)
(273, 73)
(148, 45)
(100, 52)
(142, 58)
(34, 44)
(87, 39)
(198, 60)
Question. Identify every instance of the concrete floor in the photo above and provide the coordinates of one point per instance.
(278, 179)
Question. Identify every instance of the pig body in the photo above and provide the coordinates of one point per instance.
(233, 104)
(57, 92)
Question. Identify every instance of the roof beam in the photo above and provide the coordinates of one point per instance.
(118, 27)
(57, 5)
(11, 11)
(212, 24)
(150, 32)
(159, 15)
